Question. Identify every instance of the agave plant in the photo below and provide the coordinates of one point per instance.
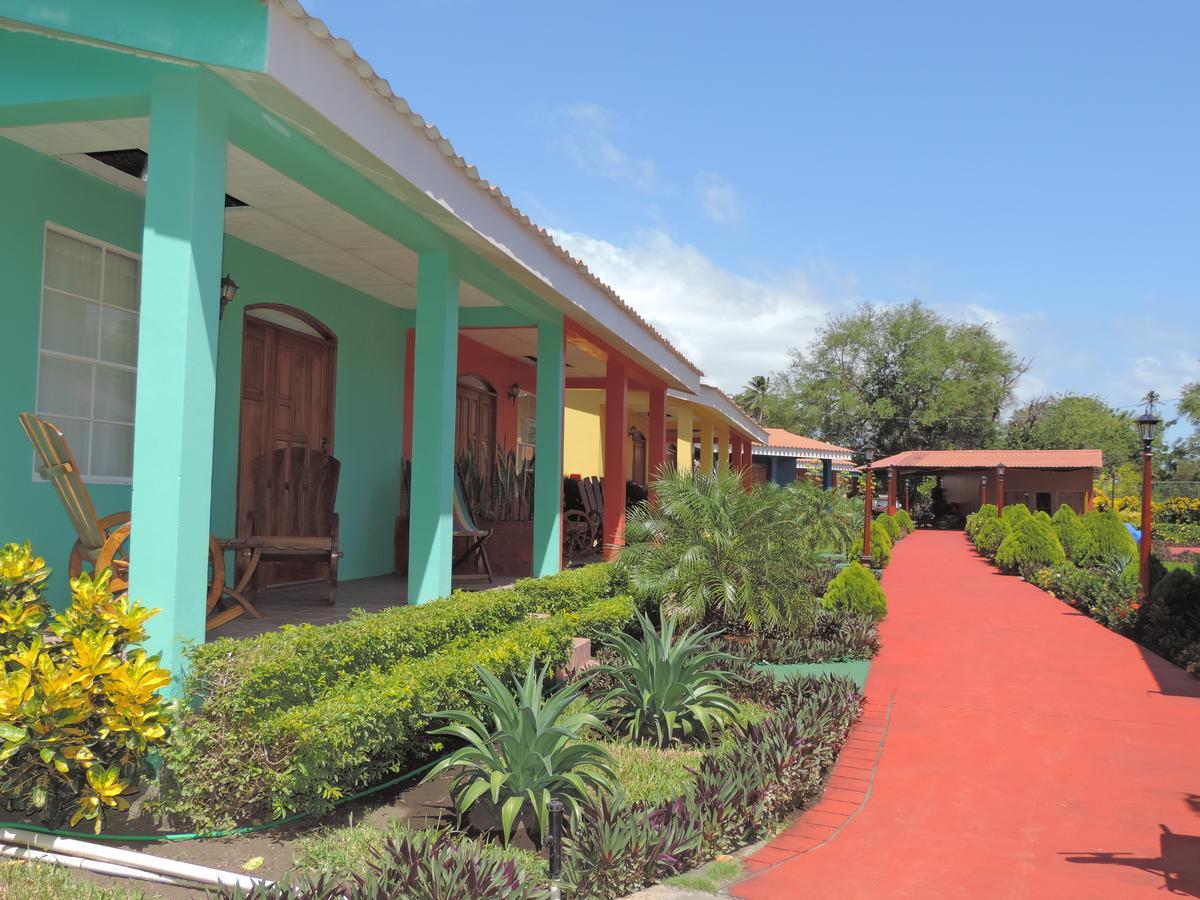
(667, 687)
(530, 752)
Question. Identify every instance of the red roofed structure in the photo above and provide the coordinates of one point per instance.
(1041, 479)
(784, 453)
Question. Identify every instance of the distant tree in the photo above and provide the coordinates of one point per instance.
(902, 377)
(1189, 403)
(753, 398)
(1074, 422)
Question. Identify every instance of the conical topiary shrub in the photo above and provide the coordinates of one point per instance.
(1071, 533)
(904, 520)
(1015, 512)
(990, 536)
(1030, 545)
(977, 520)
(888, 521)
(881, 546)
(856, 590)
(1108, 542)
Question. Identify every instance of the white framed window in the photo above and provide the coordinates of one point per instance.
(526, 426)
(87, 359)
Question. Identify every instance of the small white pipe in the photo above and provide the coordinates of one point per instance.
(170, 867)
(90, 865)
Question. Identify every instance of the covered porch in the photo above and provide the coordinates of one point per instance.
(141, 168)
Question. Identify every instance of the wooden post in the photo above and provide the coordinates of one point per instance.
(892, 491)
(1147, 518)
(866, 552)
(999, 489)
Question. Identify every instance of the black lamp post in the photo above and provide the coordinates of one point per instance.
(869, 450)
(1147, 425)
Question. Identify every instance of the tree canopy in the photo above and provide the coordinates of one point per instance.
(1074, 422)
(903, 377)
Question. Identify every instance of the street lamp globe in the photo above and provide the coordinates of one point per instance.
(1147, 425)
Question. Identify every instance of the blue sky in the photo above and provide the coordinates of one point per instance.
(738, 171)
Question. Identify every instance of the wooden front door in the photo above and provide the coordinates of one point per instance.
(287, 401)
(639, 458)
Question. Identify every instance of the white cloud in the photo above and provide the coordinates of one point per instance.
(588, 137)
(730, 325)
(718, 198)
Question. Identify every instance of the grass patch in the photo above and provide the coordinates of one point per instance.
(20, 880)
(1171, 564)
(340, 852)
(709, 878)
(652, 774)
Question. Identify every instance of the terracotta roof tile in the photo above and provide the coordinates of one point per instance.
(780, 437)
(989, 459)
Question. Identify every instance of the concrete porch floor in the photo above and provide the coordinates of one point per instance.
(304, 604)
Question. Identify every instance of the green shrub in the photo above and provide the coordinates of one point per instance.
(881, 546)
(977, 520)
(1015, 512)
(666, 687)
(529, 751)
(298, 664)
(890, 525)
(1071, 532)
(81, 710)
(224, 766)
(905, 521)
(856, 590)
(1187, 535)
(1030, 545)
(1171, 619)
(1108, 542)
(991, 535)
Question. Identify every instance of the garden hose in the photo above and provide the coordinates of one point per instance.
(227, 832)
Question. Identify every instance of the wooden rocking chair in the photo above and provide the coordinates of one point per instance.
(465, 526)
(103, 543)
(291, 514)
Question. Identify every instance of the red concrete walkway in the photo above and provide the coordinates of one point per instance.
(1027, 752)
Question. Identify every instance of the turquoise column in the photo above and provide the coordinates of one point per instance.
(177, 360)
(547, 485)
(435, 365)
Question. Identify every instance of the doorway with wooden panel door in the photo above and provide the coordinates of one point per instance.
(289, 371)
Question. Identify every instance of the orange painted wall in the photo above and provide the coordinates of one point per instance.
(498, 370)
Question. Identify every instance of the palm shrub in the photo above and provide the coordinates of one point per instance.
(80, 709)
(881, 546)
(716, 553)
(977, 520)
(529, 753)
(667, 687)
(1030, 545)
(1108, 542)
(991, 535)
(1070, 530)
(856, 590)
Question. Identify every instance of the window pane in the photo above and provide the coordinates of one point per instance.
(72, 265)
(115, 390)
(120, 281)
(65, 387)
(76, 434)
(118, 336)
(70, 325)
(112, 450)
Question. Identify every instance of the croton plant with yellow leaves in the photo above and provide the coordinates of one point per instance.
(80, 705)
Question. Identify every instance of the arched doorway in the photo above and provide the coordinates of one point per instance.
(289, 373)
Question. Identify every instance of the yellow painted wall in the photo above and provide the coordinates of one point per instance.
(583, 432)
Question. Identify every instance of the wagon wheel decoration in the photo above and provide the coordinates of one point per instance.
(114, 556)
(577, 533)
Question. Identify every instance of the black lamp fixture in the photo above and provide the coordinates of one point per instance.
(1000, 470)
(229, 289)
(1147, 424)
(514, 391)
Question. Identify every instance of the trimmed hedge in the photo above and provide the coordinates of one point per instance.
(224, 766)
(300, 663)
(856, 590)
(1108, 541)
(991, 535)
(905, 521)
(1070, 530)
(1015, 512)
(977, 520)
(889, 523)
(881, 546)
